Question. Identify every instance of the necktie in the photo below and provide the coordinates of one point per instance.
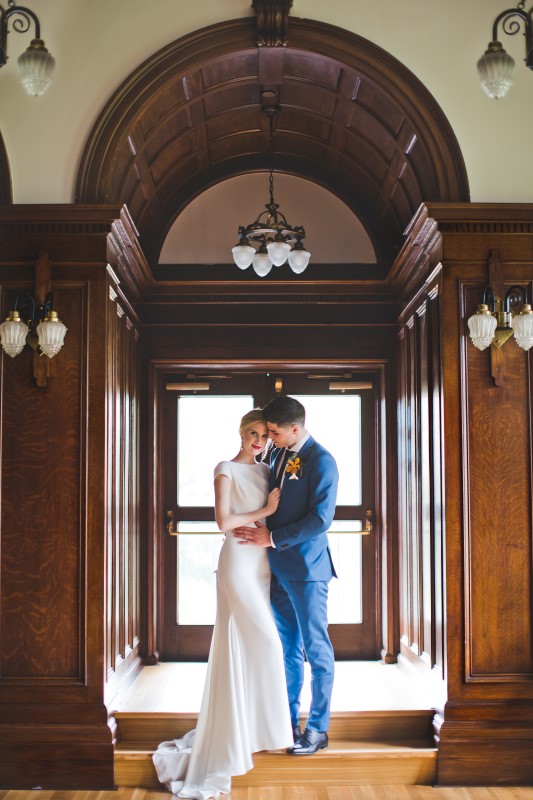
(279, 476)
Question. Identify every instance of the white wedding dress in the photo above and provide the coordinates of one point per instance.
(244, 706)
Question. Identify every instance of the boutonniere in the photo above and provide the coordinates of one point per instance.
(294, 467)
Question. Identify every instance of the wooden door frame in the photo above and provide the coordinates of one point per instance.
(387, 612)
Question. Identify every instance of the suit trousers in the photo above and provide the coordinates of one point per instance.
(300, 611)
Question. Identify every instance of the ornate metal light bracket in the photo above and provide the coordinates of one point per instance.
(498, 357)
(272, 17)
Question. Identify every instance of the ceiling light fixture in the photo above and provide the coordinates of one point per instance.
(494, 323)
(36, 63)
(495, 67)
(277, 241)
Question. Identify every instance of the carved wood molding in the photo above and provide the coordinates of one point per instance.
(272, 20)
(418, 259)
(95, 233)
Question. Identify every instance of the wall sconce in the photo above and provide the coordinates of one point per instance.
(39, 326)
(36, 63)
(495, 67)
(494, 323)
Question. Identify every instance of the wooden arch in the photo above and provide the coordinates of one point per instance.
(353, 119)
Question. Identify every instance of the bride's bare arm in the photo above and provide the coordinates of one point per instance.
(226, 521)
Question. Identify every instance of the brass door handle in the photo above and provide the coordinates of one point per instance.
(369, 521)
(170, 523)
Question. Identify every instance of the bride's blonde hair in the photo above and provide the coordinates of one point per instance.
(250, 419)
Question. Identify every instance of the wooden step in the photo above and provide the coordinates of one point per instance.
(344, 762)
(148, 729)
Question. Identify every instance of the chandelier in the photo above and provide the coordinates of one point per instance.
(275, 240)
(278, 241)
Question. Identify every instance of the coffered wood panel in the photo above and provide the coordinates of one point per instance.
(352, 118)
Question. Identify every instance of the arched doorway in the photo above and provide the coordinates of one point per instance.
(353, 120)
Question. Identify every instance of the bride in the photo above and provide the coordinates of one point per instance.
(244, 706)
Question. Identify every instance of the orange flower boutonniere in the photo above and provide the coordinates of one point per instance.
(294, 467)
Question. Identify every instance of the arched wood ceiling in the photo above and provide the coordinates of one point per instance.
(353, 119)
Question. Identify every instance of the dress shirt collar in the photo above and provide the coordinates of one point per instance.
(299, 444)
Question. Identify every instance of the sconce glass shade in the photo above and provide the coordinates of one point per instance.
(51, 332)
(495, 70)
(299, 258)
(13, 334)
(278, 252)
(36, 65)
(522, 325)
(262, 263)
(243, 254)
(482, 327)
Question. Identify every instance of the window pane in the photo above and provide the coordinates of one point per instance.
(199, 546)
(198, 549)
(345, 599)
(335, 422)
(208, 432)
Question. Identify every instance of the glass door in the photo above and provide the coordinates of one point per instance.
(200, 428)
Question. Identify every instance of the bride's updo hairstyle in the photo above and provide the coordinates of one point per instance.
(250, 419)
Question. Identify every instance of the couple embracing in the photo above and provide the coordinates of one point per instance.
(272, 586)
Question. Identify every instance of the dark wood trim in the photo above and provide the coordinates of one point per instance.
(6, 188)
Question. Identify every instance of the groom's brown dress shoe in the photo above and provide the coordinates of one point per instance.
(308, 743)
(296, 733)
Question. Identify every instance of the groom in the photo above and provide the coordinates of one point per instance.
(301, 563)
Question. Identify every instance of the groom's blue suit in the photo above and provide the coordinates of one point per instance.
(301, 570)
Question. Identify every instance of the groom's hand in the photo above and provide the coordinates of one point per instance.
(260, 535)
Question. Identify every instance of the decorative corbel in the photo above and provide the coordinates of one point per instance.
(272, 19)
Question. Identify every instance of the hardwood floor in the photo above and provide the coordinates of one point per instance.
(359, 686)
(304, 792)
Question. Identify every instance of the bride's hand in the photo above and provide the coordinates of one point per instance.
(273, 501)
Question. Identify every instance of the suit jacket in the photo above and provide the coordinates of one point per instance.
(304, 514)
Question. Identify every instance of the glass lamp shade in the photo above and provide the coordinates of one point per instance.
(278, 252)
(482, 326)
(299, 258)
(51, 332)
(262, 263)
(522, 325)
(36, 66)
(495, 70)
(13, 334)
(243, 254)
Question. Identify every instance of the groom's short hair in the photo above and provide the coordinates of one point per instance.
(285, 410)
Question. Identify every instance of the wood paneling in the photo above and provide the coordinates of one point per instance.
(484, 731)
(123, 500)
(61, 522)
(420, 506)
